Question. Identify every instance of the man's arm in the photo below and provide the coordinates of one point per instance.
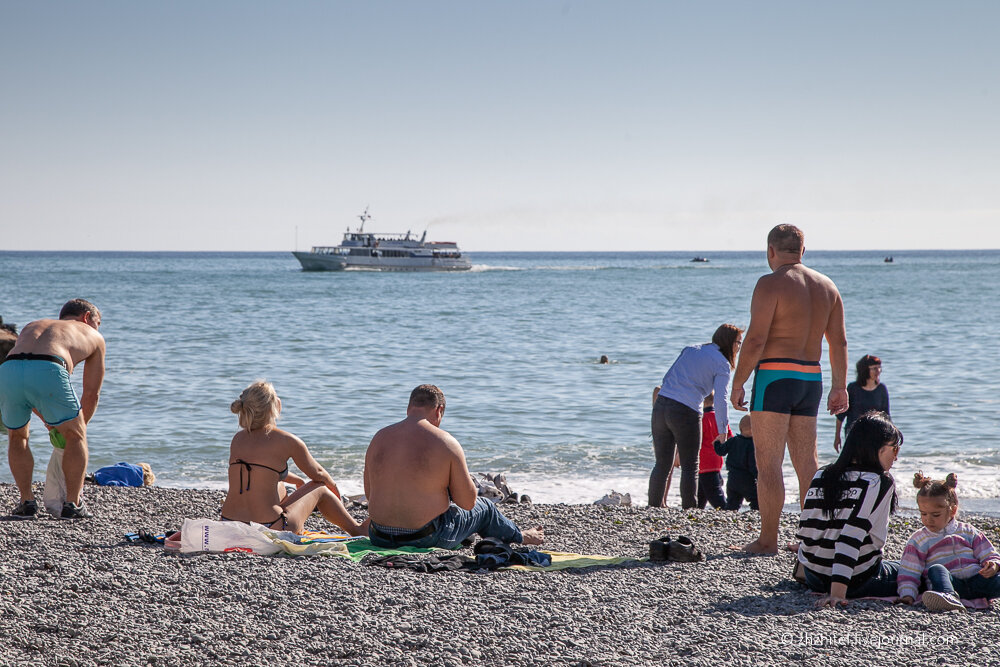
(762, 307)
(836, 339)
(463, 492)
(93, 378)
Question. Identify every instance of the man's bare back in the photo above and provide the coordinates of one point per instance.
(425, 464)
(419, 489)
(72, 340)
(803, 303)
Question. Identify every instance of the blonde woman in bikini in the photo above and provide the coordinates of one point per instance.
(258, 468)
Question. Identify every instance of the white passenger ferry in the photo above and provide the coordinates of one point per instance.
(366, 251)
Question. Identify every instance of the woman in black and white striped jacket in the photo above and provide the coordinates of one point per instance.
(845, 519)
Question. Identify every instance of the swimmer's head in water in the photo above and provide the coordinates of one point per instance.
(258, 406)
(604, 359)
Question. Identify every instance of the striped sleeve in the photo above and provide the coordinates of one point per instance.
(983, 548)
(911, 568)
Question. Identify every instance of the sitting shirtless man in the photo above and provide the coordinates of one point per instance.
(35, 377)
(419, 489)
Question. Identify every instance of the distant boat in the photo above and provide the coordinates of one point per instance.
(700, 259)
(365, 251)
(888, 260)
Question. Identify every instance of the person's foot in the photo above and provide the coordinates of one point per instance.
(793, 547)
(362, 529)
(757, 547)
(534, 535)
(935, 601)
(26, 509)
(71, 511)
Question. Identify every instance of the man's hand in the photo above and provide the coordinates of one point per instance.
(989, 570)
(720, 439)
(737, 396)
(837, 402)
(836, 442)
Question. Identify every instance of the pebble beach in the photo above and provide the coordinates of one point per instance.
(76, 593)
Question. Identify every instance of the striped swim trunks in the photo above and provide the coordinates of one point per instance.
(787, 386)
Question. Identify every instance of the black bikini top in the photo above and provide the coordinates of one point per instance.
(282, 474)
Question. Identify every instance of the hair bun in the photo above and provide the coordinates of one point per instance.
(236, 406)
(919, 480)
(951, 481)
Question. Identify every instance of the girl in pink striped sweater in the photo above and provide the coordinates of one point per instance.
(956, 559)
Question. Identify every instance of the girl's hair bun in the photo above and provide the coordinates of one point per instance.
(920, 480)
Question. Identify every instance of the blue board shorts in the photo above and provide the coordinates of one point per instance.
(787, 386)
(42, 385)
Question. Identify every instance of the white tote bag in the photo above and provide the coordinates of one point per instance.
(221, 536)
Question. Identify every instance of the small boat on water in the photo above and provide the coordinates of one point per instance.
(888, 260)
(367, 251)
(700, 259)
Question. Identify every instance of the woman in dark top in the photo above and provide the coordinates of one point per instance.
(865, 394)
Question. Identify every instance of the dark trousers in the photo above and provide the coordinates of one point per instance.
(675, 426)
(710, 490)
(741, 486)
(882, 584)
(941, 580)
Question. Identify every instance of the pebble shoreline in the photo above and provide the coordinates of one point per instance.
(75, 593)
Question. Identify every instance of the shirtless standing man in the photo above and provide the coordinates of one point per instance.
(792, 309)
(419, 489)
(35, 377)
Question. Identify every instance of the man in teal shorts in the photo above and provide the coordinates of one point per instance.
(793, 308)
(35, 377)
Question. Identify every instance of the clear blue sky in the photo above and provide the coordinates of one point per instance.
(502, 125)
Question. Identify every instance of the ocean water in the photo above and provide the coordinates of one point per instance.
(514, 344)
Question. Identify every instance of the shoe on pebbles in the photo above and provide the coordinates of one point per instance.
(71, 511)
(935, 601)
(682, 550)
(658, 549)
(26, 509)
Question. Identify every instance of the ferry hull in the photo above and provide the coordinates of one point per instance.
(321, 262)
(316, 262)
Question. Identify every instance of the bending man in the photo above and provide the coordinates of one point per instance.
(35, 376)
(419, 489)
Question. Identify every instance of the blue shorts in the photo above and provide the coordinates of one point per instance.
(42, 385)
(787, 386)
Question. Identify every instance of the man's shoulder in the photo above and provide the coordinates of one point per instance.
(818, 277)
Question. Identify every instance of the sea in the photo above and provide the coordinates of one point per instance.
(514, 344)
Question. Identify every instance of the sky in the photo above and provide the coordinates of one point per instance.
(533, 125)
